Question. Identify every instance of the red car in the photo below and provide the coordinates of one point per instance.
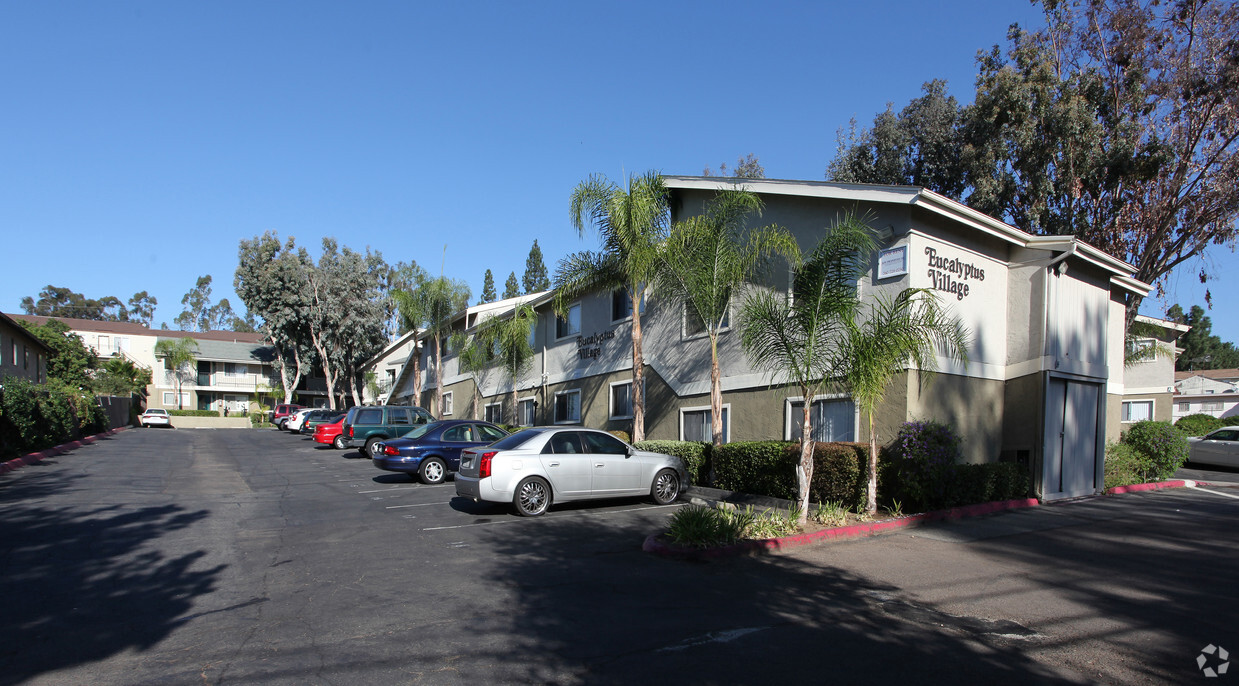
(330, 434)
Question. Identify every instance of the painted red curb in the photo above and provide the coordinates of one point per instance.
(654, 544)
(1154, 486)
(32, 458)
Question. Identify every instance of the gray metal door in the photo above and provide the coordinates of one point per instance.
(1070, 457)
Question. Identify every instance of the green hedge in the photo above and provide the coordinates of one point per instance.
(1125, 466)
(757, 467)
(1199, 424)
(33, 417)
(1160, 444)
(696, 456)
(195, 413)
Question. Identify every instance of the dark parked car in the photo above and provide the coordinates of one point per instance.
(365, 426)
(432, 450)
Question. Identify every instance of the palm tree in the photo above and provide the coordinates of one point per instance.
(180, 356)
(799, 340)
(429, 307)
(632, 223)
(706, 260)
(880, 341)
(475, 358)
(510, 337)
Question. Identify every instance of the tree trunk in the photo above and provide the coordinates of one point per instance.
(328, 376)
(871, 489)
(804, 472)
(638, 374)
(716, 392)
(438, 404)
(416, 355)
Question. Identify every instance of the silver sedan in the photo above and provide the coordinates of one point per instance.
(535, 467)
(1219, 447)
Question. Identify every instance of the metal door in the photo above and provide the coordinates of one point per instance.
(1070, 462)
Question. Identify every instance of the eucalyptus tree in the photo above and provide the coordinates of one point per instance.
(180, 355)
(706, 261)
(268, 280)
(889, 336)
(797, 340)
(632, 224)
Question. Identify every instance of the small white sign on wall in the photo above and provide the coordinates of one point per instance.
(893, 262)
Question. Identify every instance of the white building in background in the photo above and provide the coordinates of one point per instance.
(1208, 391)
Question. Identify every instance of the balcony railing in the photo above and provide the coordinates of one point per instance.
(220, 380)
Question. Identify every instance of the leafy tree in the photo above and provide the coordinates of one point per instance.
(200, 315)
(706, 260)
(475, 358)
(62, 302)
(508, 337)
(70, 361)
(269, 281)
(535, 279)
(632, 224)
(1201, 348)
(121, 377)
(1116, 123)
(512, 288)
(488, 289)
(180, 356)
(142, 308)
(747, 167)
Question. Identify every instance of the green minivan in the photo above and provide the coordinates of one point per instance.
(365, 425)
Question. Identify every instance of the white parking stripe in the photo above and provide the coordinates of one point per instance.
(556, 516)
(1224, 495)
(397, 507)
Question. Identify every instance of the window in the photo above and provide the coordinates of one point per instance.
(621, 304)
(41, 366)
(1185, 407)
(1211, 406)
(494, 413)
(13, 359)
(104, 345)
(831, 419)
(460, 434)
(695, 424)
(621, 400)
(569, 325)
(400, 417)
(371, 416)
(1142, 350)
(169, 399)
(564, 443)
(447, 404)
(568, 407)
(525, 410)
(695, 326)
(25, 357)
(489, 433)
(1137, 410)
(603, 444)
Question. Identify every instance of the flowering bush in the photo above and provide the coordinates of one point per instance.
(922, 464)
(1162, 446)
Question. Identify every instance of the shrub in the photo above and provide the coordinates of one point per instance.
(759, 467)
(694, 454)
(195, 413)
(922, 464)
(1160, 444)
(622, 435)
(257, 420)
(1198, 424)
(840, 471)
(702, 527)
(1124, 466)
(34, 417)
(989, 482)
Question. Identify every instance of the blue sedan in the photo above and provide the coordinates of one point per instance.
(432, 450)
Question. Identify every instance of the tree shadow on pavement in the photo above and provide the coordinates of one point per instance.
(81, 585)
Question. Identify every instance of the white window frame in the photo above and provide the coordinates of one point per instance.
(1140, 344)
(449, 404)
(787, 411)
(1124, 411)
(520, 415)
(1185, 406)
(1211, 406)
(556, 420)
(499, 411)
(172, 402)
(706, 409)
(573, 334)
(705, 332)
(611, 400)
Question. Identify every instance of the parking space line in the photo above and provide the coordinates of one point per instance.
(1224, 495)
(556, 516)
(397, 507)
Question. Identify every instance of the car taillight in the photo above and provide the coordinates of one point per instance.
(484, 464)
(390, 450)
(350, 432)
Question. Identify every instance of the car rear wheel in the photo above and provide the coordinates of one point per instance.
(432, 471)
(666, 487)
(533, 497)
(372, 447)
(338, 443)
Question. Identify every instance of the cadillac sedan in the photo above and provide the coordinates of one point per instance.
(1219, 447)
(536, 467)
(432, 450)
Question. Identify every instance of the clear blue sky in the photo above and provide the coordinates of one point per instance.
(141, 141)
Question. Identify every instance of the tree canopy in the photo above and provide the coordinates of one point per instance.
(512, 287)
(488, 289)
(535, 279)
(1201, 348)
(56, 301)
(70, 361)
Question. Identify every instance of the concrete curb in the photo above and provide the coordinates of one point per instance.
(656, 545)
(33, 458)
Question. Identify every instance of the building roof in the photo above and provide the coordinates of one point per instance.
(1215, 374)
(16, 325)
(230, 351)
(140, 329)
(1121, 272)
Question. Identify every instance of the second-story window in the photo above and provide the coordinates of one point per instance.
(569, 325)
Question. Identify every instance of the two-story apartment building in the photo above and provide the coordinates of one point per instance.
(22, 355)
(1207, 391)
(1148, 374)
(1044, 376)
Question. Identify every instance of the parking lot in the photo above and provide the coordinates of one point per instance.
(255, 557)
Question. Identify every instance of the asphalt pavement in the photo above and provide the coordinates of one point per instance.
(255, 557)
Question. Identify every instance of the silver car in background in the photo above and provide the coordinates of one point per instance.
(536, 467)
(1218, 447)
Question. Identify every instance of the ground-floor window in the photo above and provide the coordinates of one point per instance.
(447, 404)
(169, 399)
(568, 407)
(1185, 407)
(830, 419)
(525, 410)
(494, 413)
(1137, 410)
(695, 424)
(1211, 406)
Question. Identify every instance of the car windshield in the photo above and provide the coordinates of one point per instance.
(516, 440)
(423, 430)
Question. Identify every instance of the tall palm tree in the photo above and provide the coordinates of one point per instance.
(475, 358)
(882, 339)
(430, 306)
(632, 223)
(705, 262)
(510, 336)
(798, 340)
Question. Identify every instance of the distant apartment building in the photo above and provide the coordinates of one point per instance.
(1207, 391)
